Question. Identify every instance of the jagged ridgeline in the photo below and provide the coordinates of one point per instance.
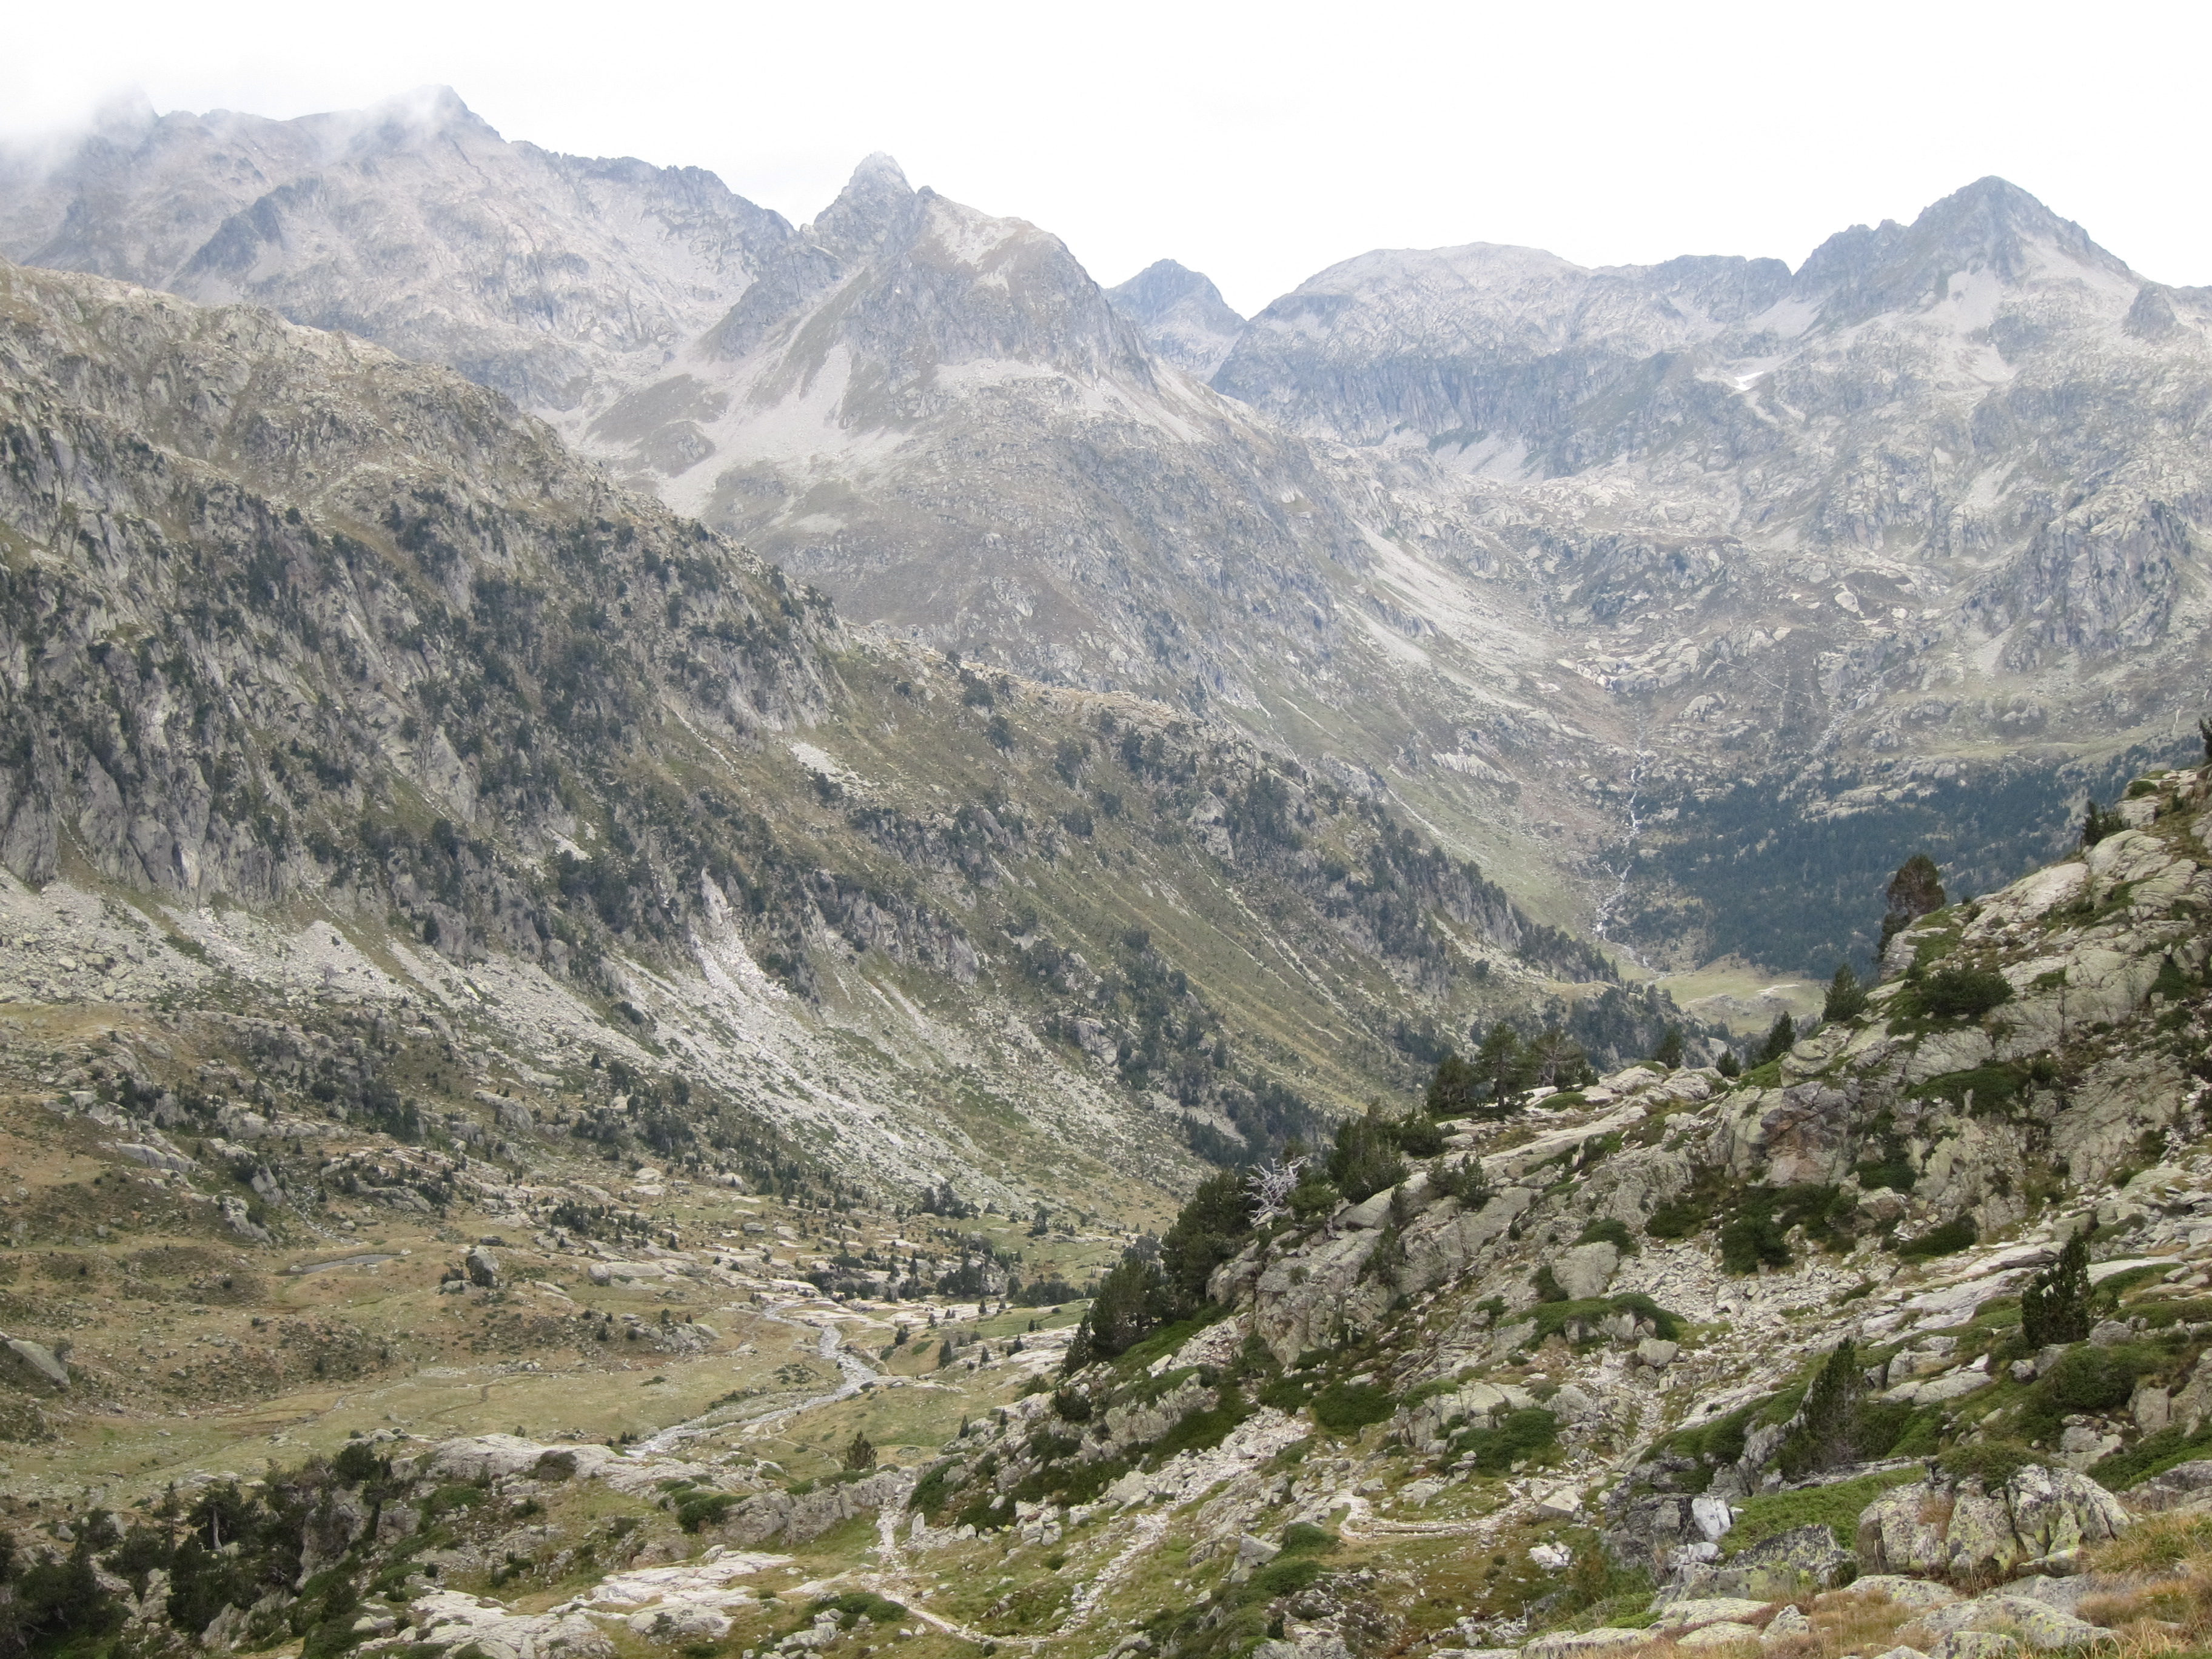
(297, 627)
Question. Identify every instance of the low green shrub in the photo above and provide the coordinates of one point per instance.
(1552, 1318)
(2085, 1378)
(1957, 992)
(1948, 1239)
(1992, 1463)
(356, 1462)
(1202, 1431)
(1286, 1575)
(1303, 1535)
(1607, 1229)
(932, 1491)
(2182, 1310)
(1881, 1424)
(1756, 1231)
(853, 1605)
(456, 1495)
(2109, 1292)
(2155, 1453)
(1721, 1441)
(1837, 1507)
(985, 1515)
(1524, 1435)
(1418, 1136)
(1139, 1357)
(1347, 1407)
(695, 1511)
(1985, 1092)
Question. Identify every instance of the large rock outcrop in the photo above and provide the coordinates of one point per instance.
(1959, 1528)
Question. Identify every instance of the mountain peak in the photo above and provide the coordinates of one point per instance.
(1996, 218)
(1182, 313)
(1991, 225)
(875, 197)
(1161, 286)
(430, 112)
(879, 169)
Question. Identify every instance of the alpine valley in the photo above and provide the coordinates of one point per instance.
(719, 938)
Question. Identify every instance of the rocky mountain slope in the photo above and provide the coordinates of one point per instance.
(938, 417)
(558, 280)
(1633, 583)
(1665, 1358)
(335, 683)
(1896, 1343)
(1184, 318)
(1932, 502)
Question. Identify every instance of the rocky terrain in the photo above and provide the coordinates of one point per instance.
(337, 689)
(1894, 1343)
(1182, 314)
(1622, 579)
(558, 1096)
(1679, 1358)
(551, 279)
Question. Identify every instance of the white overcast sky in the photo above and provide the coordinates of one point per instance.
(1260, 143)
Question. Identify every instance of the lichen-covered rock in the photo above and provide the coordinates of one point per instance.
(1788, 1564)
(1706, 1610)
(1975, 1644)
(2117, 1100)
(1725, 1634)
(1581, 1643)
(1790, 1621)
(791, 1520)
(1585, 1271)
(1906, 1592)
(497, 1455)
(1956, 1528)
(2036, 1623)
(449, 1619)
(1304, 1301)
(482, 1267)
(1784, 1136)
(1424, 1427)
(2185, 1486)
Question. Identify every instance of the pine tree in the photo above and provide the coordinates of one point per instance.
(1827, 1423)
(1452, 1090)
(1365, 1159)
(1502, 1063)
(1131, 1301)
(862, 1452)
(2055, 1306)
(1847, 997)
(1781, 1037)
(1557, 1058)
(1669, 1051)
(1210, 1229)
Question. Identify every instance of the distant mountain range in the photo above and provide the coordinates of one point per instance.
(1655, 588)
